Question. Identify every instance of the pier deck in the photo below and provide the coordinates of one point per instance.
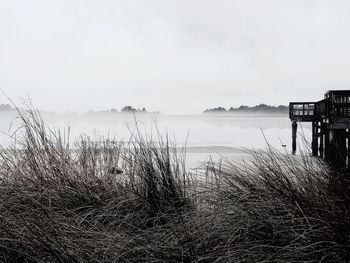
(330, 120)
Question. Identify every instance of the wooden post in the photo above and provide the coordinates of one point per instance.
(326, 144)
(294, 136)
(337, 148)
(348, 149)
(331, 147)
(341, 144)
(314, 143)
(322, 135)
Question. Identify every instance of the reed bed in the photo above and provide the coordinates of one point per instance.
(109, 201)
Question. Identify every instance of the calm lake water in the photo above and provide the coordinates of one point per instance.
(204, 134)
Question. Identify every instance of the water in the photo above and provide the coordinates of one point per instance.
(204, 135)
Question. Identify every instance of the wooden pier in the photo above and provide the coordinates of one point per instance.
(330, 120)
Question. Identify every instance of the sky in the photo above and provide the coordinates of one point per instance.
(173, 56)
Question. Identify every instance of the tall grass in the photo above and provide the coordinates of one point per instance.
(107, 201)
(277, 209)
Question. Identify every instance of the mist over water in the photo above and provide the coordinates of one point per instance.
(215, 135)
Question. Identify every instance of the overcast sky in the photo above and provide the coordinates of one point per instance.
(172, 55)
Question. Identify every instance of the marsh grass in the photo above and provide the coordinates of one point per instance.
(71, 203)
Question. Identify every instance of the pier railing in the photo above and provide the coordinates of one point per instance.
(338, 104)
(301, 111)
(321, 109)
(338, 107)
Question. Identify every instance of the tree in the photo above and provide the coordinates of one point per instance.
(128, 109)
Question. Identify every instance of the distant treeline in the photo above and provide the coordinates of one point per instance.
(125, 109)
(257, 108)
(132, 109)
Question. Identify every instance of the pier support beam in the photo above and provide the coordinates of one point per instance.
(294, 136)
(348, 149)
(314, 143)
(326, 146)
(322, 138)
(337, 148)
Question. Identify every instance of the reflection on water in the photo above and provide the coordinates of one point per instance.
(203, 134)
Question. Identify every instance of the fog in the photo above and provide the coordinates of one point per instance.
(169, 55)
(227, 136)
